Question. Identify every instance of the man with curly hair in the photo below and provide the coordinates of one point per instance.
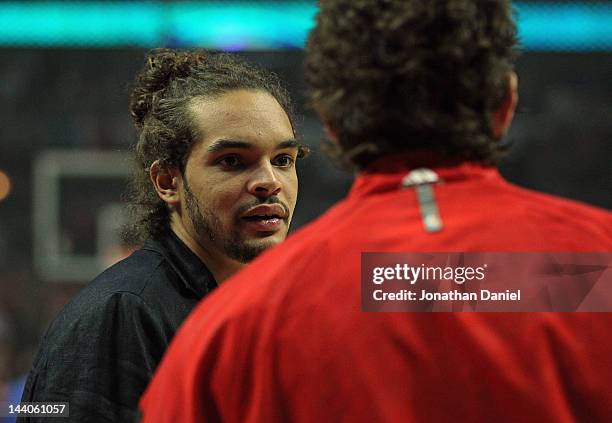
(416, 95)
(214, 185)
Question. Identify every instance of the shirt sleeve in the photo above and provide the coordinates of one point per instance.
(99, 361)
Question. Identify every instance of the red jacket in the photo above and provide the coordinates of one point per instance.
(286, 340)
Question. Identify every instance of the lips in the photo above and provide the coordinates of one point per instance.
(265, 219)
(265, 212)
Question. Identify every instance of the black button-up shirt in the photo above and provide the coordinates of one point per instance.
(101, 351)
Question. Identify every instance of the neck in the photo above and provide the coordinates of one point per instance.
(221, 266)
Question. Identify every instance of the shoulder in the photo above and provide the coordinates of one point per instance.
(141, 278)
(119, 293)
(113, 314)
(554, 215)
(129, 275)
(553, 203)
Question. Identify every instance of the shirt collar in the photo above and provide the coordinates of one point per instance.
(386, 173)
(190, 269)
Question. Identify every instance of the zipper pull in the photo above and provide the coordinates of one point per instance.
(422, 181)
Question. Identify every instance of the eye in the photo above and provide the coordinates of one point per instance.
(230, 162)
(284, 160)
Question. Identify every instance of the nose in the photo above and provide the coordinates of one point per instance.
(264, 182)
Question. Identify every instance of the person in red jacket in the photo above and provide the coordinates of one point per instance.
(416, 95)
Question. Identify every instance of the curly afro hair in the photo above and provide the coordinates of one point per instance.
(393, 76)
(159, 102)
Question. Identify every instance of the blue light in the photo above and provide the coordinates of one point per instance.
(575, 26)
(80, 24)
(543, 26)
(253, 25)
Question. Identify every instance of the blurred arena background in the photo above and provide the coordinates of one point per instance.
(65, 132)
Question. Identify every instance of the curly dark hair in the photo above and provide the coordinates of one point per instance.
(394, 76)
(159, 102)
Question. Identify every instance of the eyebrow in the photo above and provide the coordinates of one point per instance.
(223, 144)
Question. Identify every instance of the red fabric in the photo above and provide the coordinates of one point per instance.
(286, 340)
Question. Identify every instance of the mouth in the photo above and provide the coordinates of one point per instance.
(264, 218)
(267, 218)
(265, 212)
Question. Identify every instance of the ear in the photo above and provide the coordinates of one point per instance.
(165, 179)
(502, 117)
(330, 132)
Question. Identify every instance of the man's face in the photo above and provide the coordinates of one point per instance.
(240, 183)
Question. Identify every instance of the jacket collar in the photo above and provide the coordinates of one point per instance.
(191, 270)
(386, 173)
